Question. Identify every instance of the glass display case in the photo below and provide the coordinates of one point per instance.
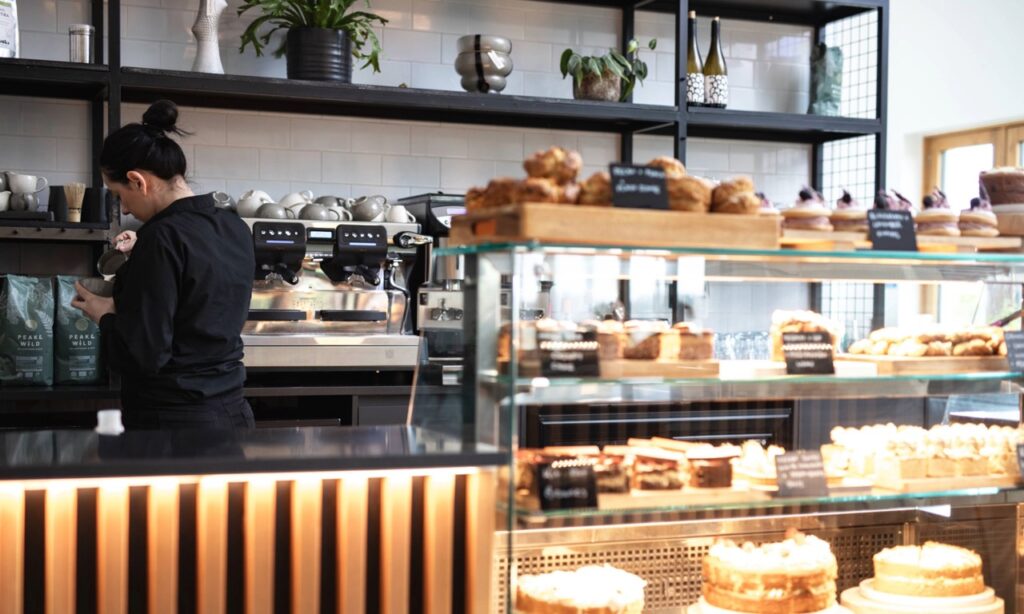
(657, 403)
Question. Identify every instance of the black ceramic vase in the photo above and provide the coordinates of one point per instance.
(319, 54)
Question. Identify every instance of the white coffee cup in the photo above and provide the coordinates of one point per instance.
(300, 199)
(26, 184)
(108, 422)
(5, 201)
(251, 201)
(398, 214)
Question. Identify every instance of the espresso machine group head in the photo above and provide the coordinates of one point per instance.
(280, 248)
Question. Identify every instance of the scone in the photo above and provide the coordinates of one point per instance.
(729, 188)
(557, 164)
(689, 193)
(475, 199)
(671, 166)
(537, 190)
(744, 203)
(596, 190)
(500, 191)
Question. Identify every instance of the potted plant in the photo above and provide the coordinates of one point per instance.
(610, 77)
(323, 36)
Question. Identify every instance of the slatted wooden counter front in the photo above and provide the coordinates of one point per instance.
(388, 541)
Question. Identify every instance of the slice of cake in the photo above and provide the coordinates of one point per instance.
(649, 340)
(593, 589)
(695, 343)
(931, 570)
(794, 576)
(1005, 186)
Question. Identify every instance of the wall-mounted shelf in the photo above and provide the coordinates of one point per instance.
(53, 79)
(787, 127)
(53, 231)
(263, 94)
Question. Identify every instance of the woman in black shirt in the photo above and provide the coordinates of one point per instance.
(173, 327)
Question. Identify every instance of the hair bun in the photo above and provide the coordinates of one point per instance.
(161, 115)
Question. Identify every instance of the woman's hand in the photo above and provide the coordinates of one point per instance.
(125, 241)
(91, 304)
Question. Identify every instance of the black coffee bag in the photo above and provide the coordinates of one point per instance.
(76, 340)
(26, 331)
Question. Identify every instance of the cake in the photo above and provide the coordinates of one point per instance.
(979, 221)
(807, 213)
(793, 576)
(848, 215)
(610, 334)
(695, 343)
(594, 589)
(931, 570)
(1005, 186)
(649, 340)
(711, 467)
(735, 195)
(937, 218)
(893, 201)
(798, 322)
(657, 469)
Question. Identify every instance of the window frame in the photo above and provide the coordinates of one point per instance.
(1004, 138)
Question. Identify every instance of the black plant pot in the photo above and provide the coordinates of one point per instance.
(319, 54)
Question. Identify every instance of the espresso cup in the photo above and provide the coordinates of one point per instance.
(223, 200)
(330, 201)
(369, 208)
(274, 211)
(26, 184)
(296, 198)
(251, 201)
(398, 214)
(322, 213)
(5, 200)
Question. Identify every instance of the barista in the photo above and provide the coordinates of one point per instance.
(173, 327)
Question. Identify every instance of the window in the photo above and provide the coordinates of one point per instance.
(952, 161)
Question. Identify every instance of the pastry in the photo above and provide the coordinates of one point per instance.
(588, 590)
(537, 190)
(792, 576)
(475, 199)
(735, 195)
(649, 340)
(559, 165)
(936, 218)
(807, 213)
(610, 338)
(934, 341)
(979, 221)
(1005, 186)
(500, 191)
(848, 215)
(689, 193)
(695, 343)
(596, 190)
(569, 193)
(893, 201)
(671, 166)
(657, 469)
(798, 322)
(767, 206)
(930, 570)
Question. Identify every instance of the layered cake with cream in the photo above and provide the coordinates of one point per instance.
(807, 213)
(1005, 185)
(930, 570)
(594, 589)
(849, 216)
(937, 218)
(794, 576)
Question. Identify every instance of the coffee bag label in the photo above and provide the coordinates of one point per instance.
(76, 340)
(26, 331)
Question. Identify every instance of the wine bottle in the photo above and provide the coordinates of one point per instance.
(716, 76)
(694, 65)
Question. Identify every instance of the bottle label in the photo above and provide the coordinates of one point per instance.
(695, 88)
(716, 90)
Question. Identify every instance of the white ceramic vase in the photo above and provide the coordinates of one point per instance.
(205, 31)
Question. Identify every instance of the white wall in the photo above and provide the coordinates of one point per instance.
(953, 64)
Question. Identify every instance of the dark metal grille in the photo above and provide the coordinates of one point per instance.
(857, 36)
(850, 305)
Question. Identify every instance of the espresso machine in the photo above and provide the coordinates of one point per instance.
(439, 301)
(331, 295)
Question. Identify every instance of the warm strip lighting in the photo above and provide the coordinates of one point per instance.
(12, 546)
(162, 533)
(307, 510)
(212, 545)
(61, 517)
(149, 480)
(112, 549)
(260, 506)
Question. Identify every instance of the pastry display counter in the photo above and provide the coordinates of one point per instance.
(603, 334)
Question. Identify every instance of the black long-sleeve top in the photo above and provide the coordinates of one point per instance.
(181, 301)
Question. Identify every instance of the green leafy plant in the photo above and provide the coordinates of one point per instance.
(330, 14)
(627, 66)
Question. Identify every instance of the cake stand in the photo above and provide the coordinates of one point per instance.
(703, 607)
(864, 599)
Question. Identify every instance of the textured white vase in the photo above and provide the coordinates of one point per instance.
(205, 31)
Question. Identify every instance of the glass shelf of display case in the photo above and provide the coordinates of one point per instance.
(576, 390)
(795, 265)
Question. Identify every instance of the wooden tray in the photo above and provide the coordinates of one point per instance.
(614, 369)
(930, 365)
(573, 224)
(893, 483)
(845, 241)
(642, 499)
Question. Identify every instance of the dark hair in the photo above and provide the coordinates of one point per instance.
(146, 146)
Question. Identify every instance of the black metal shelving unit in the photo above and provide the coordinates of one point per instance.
(106, 84)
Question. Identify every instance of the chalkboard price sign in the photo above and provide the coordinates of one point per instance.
(1015, 350)
(801, 474)
(808, 353)
(892, 231)
(638, 187)
(567, 485)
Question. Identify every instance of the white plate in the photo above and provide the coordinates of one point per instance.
(703, 607)
(867, 588)
(855, 600)
(1010, 208)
